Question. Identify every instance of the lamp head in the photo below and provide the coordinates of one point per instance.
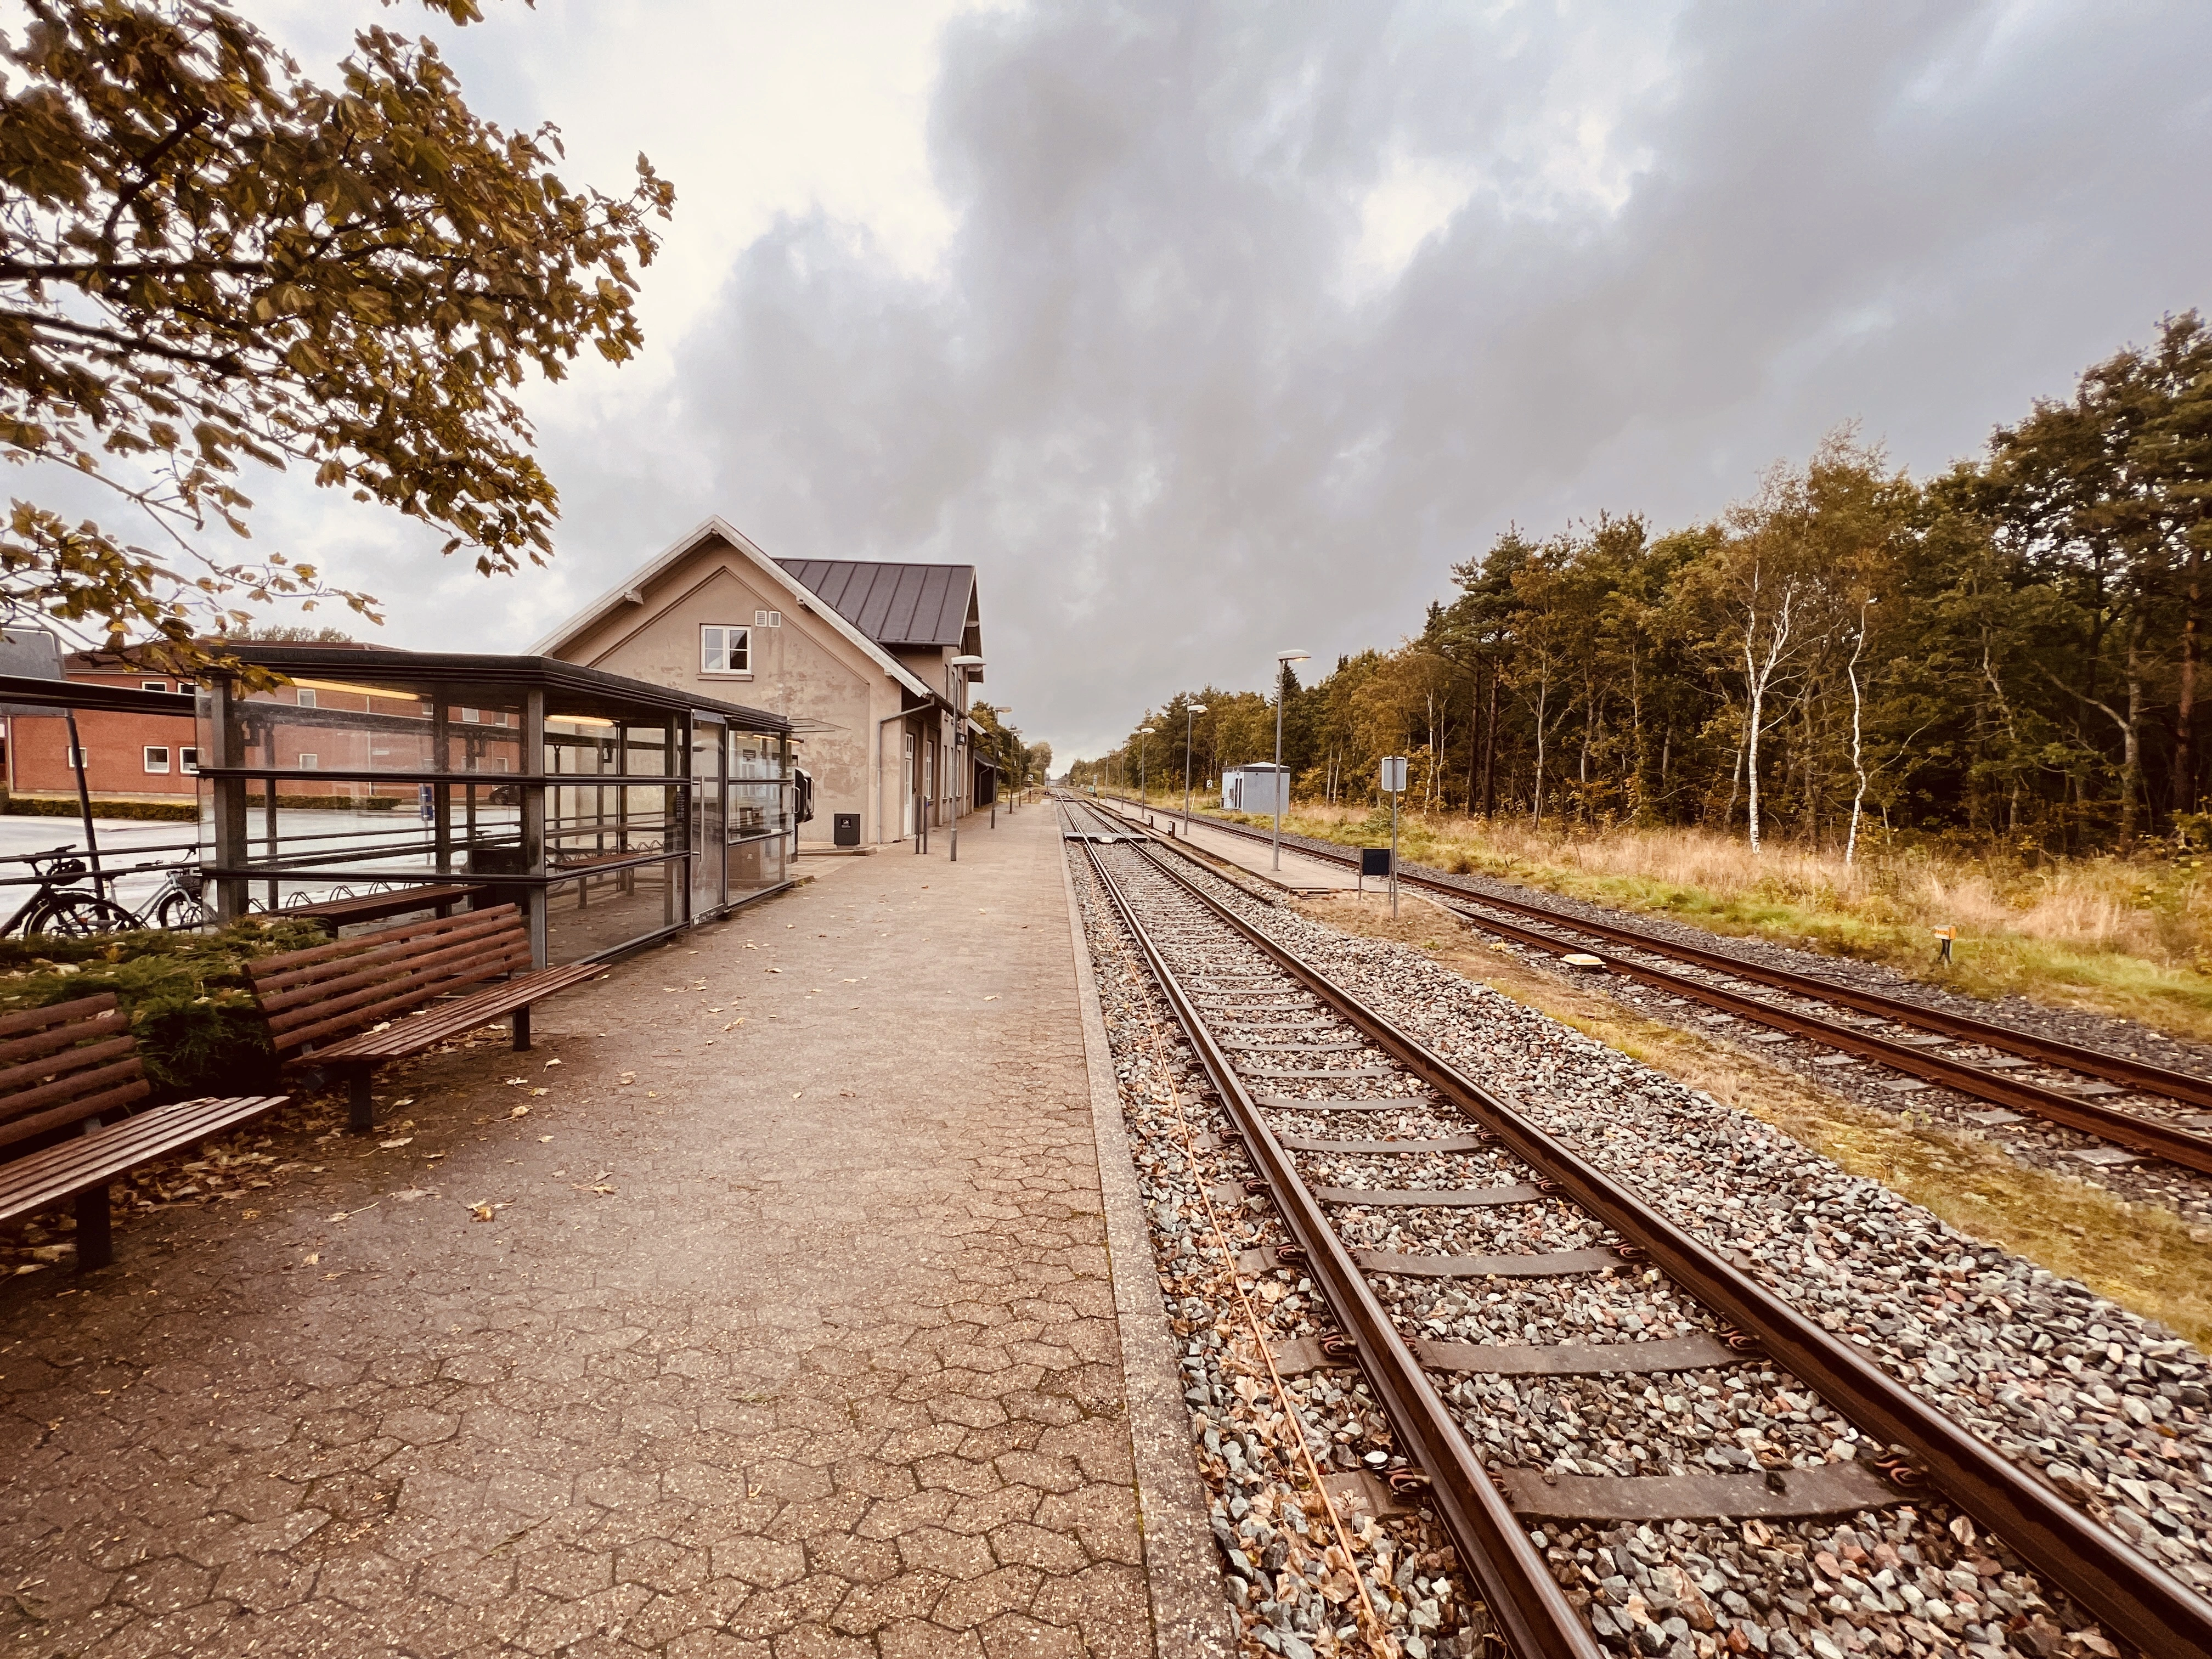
(1289, 656)
(1197, 707)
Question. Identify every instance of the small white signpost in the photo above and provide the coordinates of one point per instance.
(1394, 781)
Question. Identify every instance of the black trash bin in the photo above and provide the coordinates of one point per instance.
(846, 830)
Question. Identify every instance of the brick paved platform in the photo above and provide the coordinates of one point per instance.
(792, 1337)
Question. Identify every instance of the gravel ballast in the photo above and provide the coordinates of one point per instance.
(2112, 1410)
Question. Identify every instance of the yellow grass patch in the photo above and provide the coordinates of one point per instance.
(2126, 936)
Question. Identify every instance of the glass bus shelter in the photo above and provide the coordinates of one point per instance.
(612, 810)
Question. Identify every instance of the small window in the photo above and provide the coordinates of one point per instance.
(153, 685)
(768, 619)
(75, 757)
(469, 717)
(306, 698)
(310, 763)
(188, 760)
(724, 650)
(157, 757)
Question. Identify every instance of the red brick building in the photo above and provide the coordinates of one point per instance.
(126, 756)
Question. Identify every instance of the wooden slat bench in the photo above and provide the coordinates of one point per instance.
(346, 1006)
(382, 907)
(76, 1063)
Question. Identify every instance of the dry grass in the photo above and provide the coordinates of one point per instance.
(2130, 938)
(2143, 1257)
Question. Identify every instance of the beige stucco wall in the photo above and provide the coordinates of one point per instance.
(805, 669)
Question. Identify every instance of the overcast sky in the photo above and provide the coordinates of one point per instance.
(1205, 330)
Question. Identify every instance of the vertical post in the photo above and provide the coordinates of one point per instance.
(1394, 855)
(535, 896)
(1186, 771)
(269, 826)
(226, 747)
(441, 794)
(675, 819)
(84, 803)
(1279, 765)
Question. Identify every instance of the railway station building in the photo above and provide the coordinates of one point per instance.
(856, 654)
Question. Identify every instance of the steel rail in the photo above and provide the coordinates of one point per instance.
(2131, 1597)
(1526, 1607)
(2142, 1135)
(2164, 1140)
(2096, 1062)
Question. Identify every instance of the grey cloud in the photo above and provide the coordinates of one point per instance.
(1138, 395)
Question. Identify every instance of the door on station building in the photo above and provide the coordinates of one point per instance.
(906, 789)
(709, 815)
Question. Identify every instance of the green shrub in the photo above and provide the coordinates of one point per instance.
(186, 995)
(182, 812)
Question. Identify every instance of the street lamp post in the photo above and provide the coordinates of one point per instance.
(969, 666)
(1142, 732)
(1190, 711)
(1283, 661)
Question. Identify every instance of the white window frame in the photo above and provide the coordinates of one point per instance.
(188, 760)
(306, 698)
(311, 763)
(153, 685)
(152, 749)
(73, 759)
(730, 640)
(768, 619)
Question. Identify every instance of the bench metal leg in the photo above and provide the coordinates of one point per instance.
(95, 1239)
(363, 1118)
(520, 1022)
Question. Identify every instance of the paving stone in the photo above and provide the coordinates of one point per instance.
(832, 1369)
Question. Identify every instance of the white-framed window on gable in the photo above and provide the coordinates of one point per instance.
(768, 619)
(724, 649)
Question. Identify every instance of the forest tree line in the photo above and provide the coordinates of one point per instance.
(2012, 650)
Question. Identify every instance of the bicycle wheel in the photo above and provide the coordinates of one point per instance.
(179, 909)
(79, 916)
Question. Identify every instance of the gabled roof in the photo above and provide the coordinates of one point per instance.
(924, 605)
(631, 590)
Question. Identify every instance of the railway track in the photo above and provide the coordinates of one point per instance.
(1343, 1118)
(1911, 1048)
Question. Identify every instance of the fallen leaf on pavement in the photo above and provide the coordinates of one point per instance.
(603, 1189)
(552, 1062)
(515, 1081)
(313, 1261)
(480, 1211)
(534, 1093)
(394, 1145)
(991, 998)
(775, 970)
(542, 1140)
(628, 1077)
(519, 1111)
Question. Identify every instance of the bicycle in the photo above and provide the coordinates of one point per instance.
(181, 901)
(70, 912)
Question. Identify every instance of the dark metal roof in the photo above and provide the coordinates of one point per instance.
(570, 688)
(29, 695)
(894, 604)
